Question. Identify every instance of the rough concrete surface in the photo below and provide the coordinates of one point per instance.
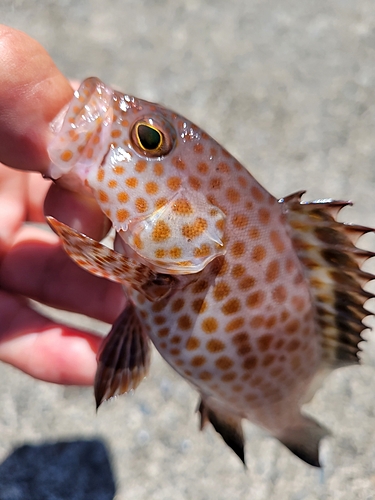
(288, 87)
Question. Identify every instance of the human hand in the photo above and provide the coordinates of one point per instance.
(32, 262)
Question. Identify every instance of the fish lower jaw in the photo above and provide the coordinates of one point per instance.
(71, 181)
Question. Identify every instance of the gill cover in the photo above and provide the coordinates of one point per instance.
(181, 237)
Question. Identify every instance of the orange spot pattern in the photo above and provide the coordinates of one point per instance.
(174, 183)
(182, 207)
(195, 229)
(66, 155)
(238, 326)
(161, 231)
(141, 205)
(122, 215)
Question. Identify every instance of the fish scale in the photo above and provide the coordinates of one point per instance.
(249, 298)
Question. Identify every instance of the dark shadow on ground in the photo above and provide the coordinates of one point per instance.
(77, 470)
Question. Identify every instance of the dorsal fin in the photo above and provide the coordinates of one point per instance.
(327, 251)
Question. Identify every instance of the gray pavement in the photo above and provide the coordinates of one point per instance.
(288, 87)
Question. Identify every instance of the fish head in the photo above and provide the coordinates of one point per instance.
(134, 157)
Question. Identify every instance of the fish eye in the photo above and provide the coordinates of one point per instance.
(149, 138)
(152, 138)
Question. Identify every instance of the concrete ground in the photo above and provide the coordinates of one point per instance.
(288, 86)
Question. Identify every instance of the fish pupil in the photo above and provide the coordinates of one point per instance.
(149, 138)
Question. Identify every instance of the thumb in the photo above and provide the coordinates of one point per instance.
(32, 92)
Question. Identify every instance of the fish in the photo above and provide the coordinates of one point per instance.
(253, 300)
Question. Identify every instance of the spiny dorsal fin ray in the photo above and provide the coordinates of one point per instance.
(327, 251)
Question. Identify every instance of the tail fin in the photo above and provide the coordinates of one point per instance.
(327, 251)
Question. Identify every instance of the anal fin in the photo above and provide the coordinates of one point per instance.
(303, 440)
(123, 358)
(227, 425)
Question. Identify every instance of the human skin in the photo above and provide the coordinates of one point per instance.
(32, 262)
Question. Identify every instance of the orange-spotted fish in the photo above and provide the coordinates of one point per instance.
(249, 298)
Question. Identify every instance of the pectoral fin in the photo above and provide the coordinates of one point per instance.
(124, 357)
(106, 263)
